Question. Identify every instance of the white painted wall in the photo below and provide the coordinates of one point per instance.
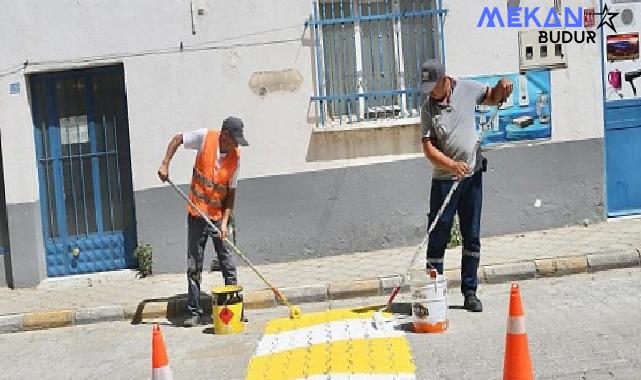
(18, 145)
(182, 91)
(167, 93)
(577, 99)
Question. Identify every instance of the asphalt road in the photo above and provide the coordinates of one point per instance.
(579, 327)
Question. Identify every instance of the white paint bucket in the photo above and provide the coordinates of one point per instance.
(429, 312)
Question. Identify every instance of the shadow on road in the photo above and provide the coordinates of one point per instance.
(173, 309)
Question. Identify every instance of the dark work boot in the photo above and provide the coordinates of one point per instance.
(472, 303)
(192, 321)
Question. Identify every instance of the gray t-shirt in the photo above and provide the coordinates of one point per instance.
(452, 129)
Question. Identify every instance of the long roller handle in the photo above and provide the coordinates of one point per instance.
(277, 292)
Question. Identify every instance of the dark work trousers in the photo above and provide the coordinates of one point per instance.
(198, 232)
(466, 201)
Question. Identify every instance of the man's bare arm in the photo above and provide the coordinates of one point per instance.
(441, 161)
(228, 207)
(497, 94)
(163, 170)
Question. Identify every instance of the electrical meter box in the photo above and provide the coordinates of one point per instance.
(628, 11)
(536, 55)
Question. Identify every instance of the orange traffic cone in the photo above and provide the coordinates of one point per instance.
(517, 364)
(159, 361)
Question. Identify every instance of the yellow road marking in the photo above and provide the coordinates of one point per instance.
(360, 356)
(311, 319)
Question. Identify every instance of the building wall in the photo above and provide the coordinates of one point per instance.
(362, 208)
(5, 270)
(577, 99)
(282, 191)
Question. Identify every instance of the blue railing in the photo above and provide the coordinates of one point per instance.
(369, 55)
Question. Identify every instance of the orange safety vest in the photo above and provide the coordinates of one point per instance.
(209, 183)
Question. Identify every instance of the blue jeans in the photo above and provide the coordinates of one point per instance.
(466, 201)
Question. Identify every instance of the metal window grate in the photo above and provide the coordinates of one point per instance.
(369, 55)
(82, 147)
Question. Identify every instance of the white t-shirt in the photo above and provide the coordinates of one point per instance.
(195, 140)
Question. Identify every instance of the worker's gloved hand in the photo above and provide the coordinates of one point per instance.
(459, 169)
(163, 172)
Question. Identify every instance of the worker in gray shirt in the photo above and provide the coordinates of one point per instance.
(450, 144)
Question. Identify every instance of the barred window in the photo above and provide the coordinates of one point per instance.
(369, 55)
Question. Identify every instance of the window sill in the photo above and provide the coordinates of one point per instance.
(374, 124)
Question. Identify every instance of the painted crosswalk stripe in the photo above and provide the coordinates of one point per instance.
(347, 376)
(337, 344)
(311, 319)
(384, 356)
(321, 334)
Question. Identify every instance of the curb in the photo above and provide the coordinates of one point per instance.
(306, 293)
(48, 319)
(352, 289)
(499, 273)
(11, 323)
(264, 298)
(622, 259)
(99, 314)
(561, 266)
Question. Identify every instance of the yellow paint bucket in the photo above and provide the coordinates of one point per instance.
(227, 309)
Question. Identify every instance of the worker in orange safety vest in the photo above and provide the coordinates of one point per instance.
(213, 189)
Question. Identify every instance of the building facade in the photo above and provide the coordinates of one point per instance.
(92, 92)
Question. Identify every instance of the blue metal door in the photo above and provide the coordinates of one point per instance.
(622, 156)
(84, 168)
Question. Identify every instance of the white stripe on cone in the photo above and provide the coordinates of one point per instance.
(162, 373)
(516, 325)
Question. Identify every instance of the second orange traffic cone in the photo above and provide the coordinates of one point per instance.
(517, 364)
(159, 361)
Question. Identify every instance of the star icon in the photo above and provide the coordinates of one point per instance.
(606, 18)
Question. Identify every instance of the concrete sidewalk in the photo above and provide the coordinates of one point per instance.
(118, 295)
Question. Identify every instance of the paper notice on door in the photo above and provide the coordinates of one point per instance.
(73, 130)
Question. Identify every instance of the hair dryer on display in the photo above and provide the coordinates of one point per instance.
(630, 77)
